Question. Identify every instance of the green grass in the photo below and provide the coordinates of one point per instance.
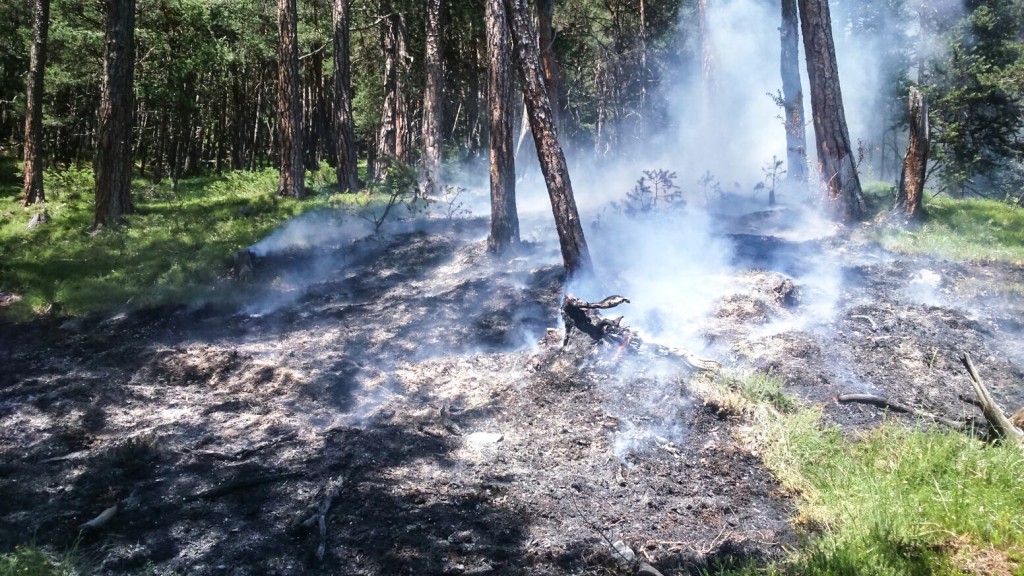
(31, 561)
(173, 249)
(970, 229)
(892, 501)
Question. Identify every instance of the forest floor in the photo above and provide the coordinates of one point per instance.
(409, 390)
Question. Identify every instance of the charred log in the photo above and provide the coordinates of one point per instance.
(871, 399)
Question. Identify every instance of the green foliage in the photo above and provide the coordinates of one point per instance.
(175, 248)
(31, 561)
(878, 196)
(975, 91)
(899, 501)
(655, 190)
(891, 501)
(971, 229)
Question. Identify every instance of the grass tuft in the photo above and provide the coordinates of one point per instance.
(32, 561)
(971, 229)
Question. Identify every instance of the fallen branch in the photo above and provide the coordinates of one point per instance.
(100, 520)
(332, 491)
(958, 425)
(245, 483)
(993, 413)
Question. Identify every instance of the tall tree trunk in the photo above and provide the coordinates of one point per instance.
(549, 64)
(915, 164)
(504, 218)
(793, 96)
(313, 109)
(289, 104)
(841, 186)
(344, 132)
(33, 189)
(114, 142)
(575, 255)
(707, 58)
(433, 99)
(391, 139)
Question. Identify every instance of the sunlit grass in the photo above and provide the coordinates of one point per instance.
(177, 245)
(969, 229)
(894, 500)
(32, 561)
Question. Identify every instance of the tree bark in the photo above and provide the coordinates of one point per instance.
(915, 164)
(344, 131)
(394, 122)
(433, 97)
(793, 96)
(575, 255)
(504, 218)
(841, 186)
(113, 166)
(33, 188)
(549, 64)
(289, 104)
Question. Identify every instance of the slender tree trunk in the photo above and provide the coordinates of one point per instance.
(344, 132)
(575, 254)
(114, 142)
(707, 58)
(391, 137)
(289, 104)
(549, 64)
(841, 186)
(504, 218)
(915, 164)
(793, 96)
(33, 189)
(433, 99)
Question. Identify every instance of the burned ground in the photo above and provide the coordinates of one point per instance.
(404, 385)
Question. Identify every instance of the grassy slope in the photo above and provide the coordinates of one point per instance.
(176, 246)
(971, 229)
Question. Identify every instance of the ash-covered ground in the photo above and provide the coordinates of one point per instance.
(396, 405)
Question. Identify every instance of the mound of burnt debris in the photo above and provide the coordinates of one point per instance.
(415, 404)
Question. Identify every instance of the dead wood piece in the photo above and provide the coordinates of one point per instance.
(245, 483)
(609, 302)
(958, 425)
(100, 520)
(993, 413)
(331, 492)
(868, 318)
(245, 453)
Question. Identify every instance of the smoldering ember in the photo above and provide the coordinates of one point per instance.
(395, 287)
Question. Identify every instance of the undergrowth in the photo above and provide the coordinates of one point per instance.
(891, 501)
(968, 229)
(32, 561)
(177, 244)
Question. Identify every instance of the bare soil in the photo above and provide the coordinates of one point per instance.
(412, 396)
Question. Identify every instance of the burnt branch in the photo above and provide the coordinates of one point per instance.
(871, 399)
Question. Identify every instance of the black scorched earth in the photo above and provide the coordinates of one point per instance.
(417, 409)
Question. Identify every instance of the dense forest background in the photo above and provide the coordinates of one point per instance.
(206, 82)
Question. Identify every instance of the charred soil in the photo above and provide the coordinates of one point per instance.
(398, 415)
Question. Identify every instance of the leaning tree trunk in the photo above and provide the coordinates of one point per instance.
(504, 219)
(841, 187)
(549, 65)
(344, 133)
(908, 200)
(289, 104)
(433, 97)
(575, 255)
(793, 96)
(114, 141)
(33, 189)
